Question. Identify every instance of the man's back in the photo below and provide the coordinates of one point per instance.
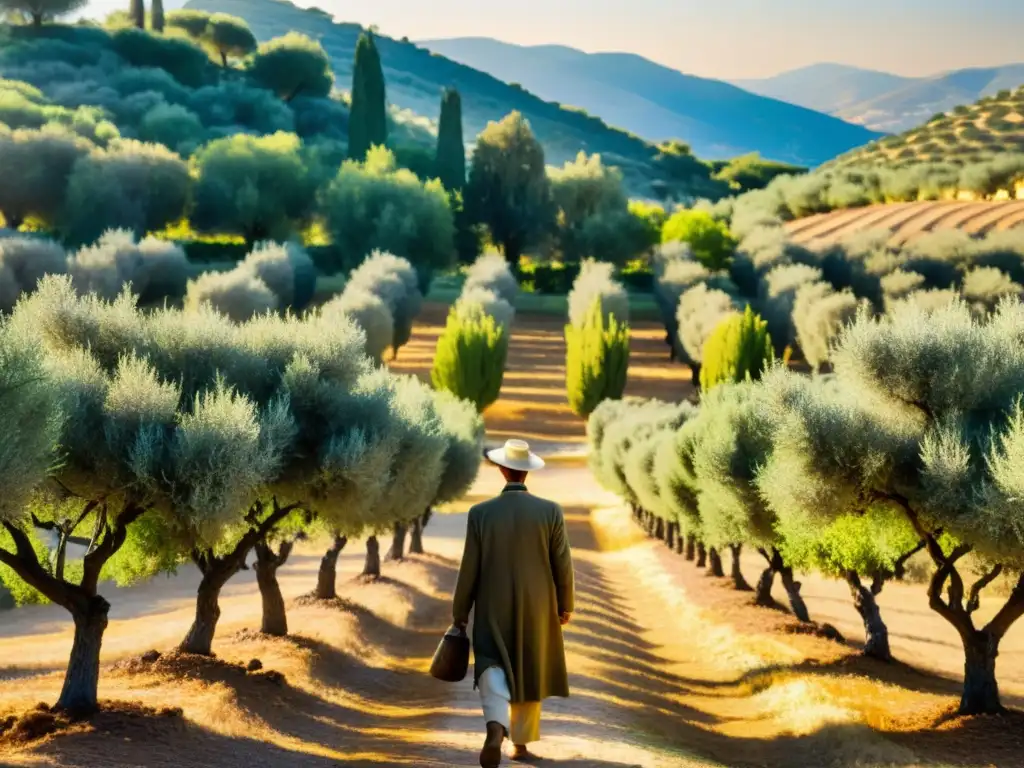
(517, 571)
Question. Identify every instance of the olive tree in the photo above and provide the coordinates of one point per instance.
(374, 205)
(777, 297)
(676, 480)
(229, 36)
(23, 262)
(130, 185)
(490, 271)
(911, 427)
(254, 186)
(152, 269)
(395, 282)
(701, 309)
(819, 315)
(238, 294)
(371, 313)
(42, 10)
(292, 65)
(508, 190)
(42, 161)
(138, 456)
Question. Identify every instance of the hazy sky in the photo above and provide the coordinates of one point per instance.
(721, 38)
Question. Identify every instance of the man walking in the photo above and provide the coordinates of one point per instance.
(517, 573)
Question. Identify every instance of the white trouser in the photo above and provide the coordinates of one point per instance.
(521, 721)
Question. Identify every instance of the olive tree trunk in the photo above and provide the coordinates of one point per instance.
(327, 576)
(714, 563)
(792, 587)
(416, 536)
(371, 568)
(702, 554)
(876, 634)
(79, 693)
(981, 689)
(397, 551)
(680, 540)
(691, 547)
(736, 572)
(670, 535)
(275, 618)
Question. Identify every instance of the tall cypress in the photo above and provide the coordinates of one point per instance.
(450, 162)
(137, 11)
(368, 123)
(156, 15)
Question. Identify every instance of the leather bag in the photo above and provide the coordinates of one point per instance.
(451, 659)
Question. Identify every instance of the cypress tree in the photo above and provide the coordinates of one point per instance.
(450, 163)
(156, 13)
(368, 124)
(137, 11)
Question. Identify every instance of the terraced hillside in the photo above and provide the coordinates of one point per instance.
(968, 133)
(907, 221)
(416, 77)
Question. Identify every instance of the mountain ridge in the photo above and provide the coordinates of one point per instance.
(718, 119)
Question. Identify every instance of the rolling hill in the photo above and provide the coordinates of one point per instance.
(880, 100)
(716, 118)
(416, 77)
(968, 133)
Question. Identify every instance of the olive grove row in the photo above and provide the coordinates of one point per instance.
(159, 437)
(913, 443)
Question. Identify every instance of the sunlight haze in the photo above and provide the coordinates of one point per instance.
(734, 39)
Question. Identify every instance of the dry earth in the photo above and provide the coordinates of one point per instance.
(907, 221)
(669, 667)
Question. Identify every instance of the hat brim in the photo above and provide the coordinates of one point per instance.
(531, 464)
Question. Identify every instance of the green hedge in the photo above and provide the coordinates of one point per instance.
(557, 278)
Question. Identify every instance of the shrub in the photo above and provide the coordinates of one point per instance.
(595, 282)
(777, 297)
(141, 187)
(470, 358)
(229, 36)
(394, 280)
(42, 161)
(710, 240)
(491, 272)
(370, 313)
(176, 127)
(700, 311)
(739, 349)
(154, 269)
(377, 206)
(239, 294)
(984, 287)
(185, 62)
(23, 262)
(256, 187)
(476, 298)
(819, 316)
(286, 269)
(597, 358)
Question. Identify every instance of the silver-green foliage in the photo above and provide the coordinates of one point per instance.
(154, 269)
(23, 261)
(370, 313)
(819, 315)
(596, 281)
(700, 311)
(490, 271)
(238, 294)
(394, 280)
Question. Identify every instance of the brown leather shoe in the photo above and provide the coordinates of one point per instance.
(490, 755)
(520, 753)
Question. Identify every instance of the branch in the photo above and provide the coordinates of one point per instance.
(43, 525)
(898, 568)
(101, 522)
(23, 561)
(1012, 610)
(85, 513)
(765, 555)
(974, 597)
(113, 539)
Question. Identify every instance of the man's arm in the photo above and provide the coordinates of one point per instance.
(469, 572)
(561, 567)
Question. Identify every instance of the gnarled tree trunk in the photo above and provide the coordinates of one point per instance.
(416, 536)
(327, 576)
(763, 592)
(702, 554)
(199, 639)
(275, 618)
(876, 634)
(397, 551)
(371, 568)
(981, 690)
(79, 693)
(714, 563)
(735, 571)
(792, 587)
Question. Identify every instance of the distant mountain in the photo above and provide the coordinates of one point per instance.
(415, 78)
(883, 101)
(717, 119)
(828, 88)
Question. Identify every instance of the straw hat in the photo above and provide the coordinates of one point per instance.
(516, 455)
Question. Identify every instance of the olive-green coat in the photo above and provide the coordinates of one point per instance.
(517, 571)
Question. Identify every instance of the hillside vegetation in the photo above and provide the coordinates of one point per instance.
(881, 100)
(415, 78)
(967, 133)
(717, 119)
